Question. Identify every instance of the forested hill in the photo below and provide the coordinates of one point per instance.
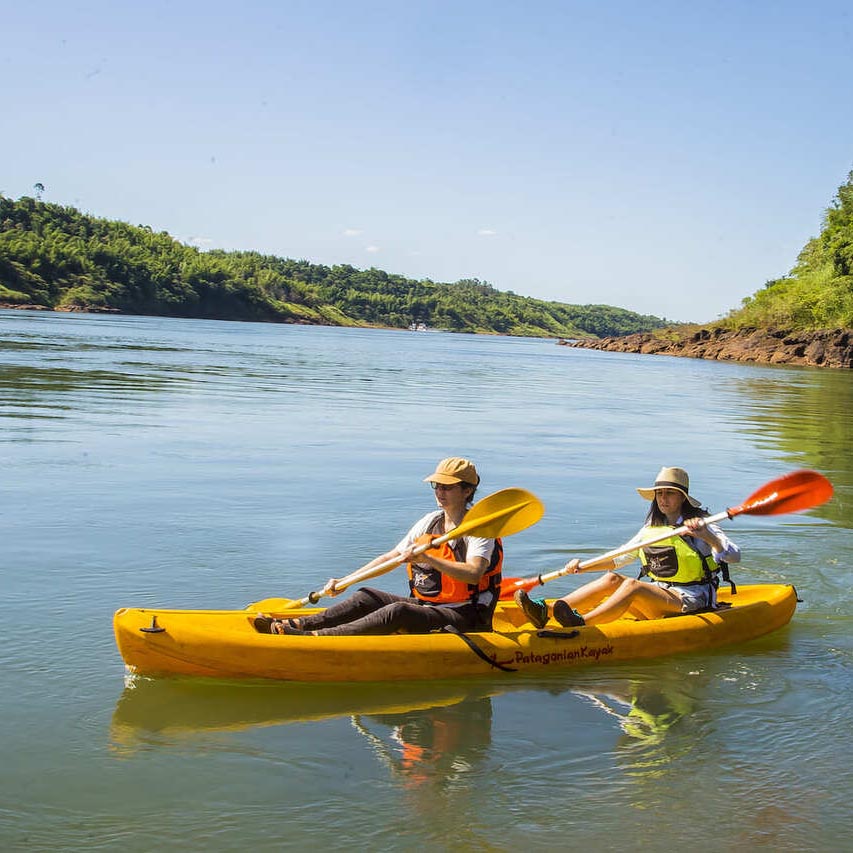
(57, 257)
(818, 292)
(804, 318)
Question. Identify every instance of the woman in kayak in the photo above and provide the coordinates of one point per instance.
(682, 568)
(457, 584)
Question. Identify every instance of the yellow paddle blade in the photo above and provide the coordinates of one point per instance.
(271, 605)
(503, 513)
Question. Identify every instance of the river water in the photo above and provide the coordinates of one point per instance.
(158, 462)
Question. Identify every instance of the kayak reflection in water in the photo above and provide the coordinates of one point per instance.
(437, 746)
(683, 569)
(455, 585)
(659, 719)
(646, 712)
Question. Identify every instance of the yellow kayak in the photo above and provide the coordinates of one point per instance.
(225, 644)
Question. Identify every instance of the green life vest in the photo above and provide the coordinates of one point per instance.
(674, 560)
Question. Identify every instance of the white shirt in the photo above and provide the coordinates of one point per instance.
(475, 546)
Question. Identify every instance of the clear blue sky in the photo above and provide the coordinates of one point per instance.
(665, 157)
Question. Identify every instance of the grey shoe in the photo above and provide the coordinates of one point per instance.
(566, 616)
(534, 609)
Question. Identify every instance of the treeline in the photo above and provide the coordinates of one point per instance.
(60, 258)
(818, 291)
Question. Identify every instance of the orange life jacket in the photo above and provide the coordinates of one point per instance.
(429, 584)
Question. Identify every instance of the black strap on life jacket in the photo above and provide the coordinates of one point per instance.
(724, 571)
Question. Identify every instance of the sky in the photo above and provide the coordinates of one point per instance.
(665, 157)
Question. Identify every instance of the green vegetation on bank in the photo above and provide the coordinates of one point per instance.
(60, 258)
(818, 292)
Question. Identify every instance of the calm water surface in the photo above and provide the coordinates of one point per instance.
(202, 464)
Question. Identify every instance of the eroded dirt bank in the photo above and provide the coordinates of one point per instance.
(832, 348)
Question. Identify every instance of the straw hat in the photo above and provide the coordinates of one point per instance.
(454, 470)
(670, 478)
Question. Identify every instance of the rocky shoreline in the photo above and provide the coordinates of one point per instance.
(823, 348)
(65, 309)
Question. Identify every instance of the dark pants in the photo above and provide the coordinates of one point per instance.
(371, 611)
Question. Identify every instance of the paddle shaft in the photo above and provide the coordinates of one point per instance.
(367, 572)
(516, 510)
(791, 492)
(513, 584)
(593, 564)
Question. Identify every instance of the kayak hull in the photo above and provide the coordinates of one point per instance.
(225, 644)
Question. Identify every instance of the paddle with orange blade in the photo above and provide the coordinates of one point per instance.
(792, 492)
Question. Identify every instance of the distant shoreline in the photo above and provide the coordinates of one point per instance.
(75, 309)
(820, 348)
(832, 348)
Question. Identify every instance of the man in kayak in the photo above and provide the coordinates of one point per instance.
(683, 569)
(457, 584)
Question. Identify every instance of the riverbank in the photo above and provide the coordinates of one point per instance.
(61, 309)
(823, 348)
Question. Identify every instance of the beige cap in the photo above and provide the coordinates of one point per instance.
(455, 469)
(670, 478)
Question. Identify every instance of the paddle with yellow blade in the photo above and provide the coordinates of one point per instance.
(500, 514)
(789, 493)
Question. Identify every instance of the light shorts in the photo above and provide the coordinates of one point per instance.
(700, 596)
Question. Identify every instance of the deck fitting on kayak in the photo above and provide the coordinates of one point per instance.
(153, 628)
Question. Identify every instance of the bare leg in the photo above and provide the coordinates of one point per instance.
(644, 599)
(590, 594)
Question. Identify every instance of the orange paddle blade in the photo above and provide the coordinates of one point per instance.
(510, 585)
(789, 493)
